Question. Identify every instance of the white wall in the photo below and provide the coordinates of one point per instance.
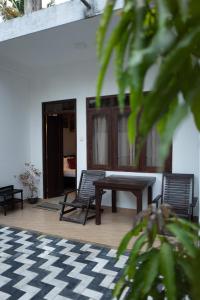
(14, 125)
(79, 81)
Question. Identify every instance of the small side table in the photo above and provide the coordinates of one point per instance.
(7, 197)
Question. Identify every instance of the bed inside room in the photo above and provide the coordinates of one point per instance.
(69, 171)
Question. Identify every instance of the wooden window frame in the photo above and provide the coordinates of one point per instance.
(112, 111)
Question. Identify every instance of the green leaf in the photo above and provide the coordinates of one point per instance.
(169, 124)
(184, 9)
(184, 238)
(191, 270)
(132, 128)
(135, 252)
(175, 59)
(167, 31)
(151, 271)
(136, 106)
(194, 10)
(186, 267)
(126, 239)
(168, 270)
(113, 40)
(157, 104)
(195, 290)
(119, 287)
(121, 75)
(105, 20)
(143, 277)
(188, 225)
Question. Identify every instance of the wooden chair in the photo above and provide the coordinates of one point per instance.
(84, 198)
(178, 192)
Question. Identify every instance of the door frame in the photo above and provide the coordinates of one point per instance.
(44, 139)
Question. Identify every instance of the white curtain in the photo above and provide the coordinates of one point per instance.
(126, 151)
(100, 141)
(153, 142)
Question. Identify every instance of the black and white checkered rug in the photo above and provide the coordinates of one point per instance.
(35, 266)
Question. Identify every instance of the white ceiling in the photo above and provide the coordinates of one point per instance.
(61, 45)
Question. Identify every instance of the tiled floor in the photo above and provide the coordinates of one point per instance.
(110, 232)
(39, 267)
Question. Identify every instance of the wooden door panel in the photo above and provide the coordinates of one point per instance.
(54, 155)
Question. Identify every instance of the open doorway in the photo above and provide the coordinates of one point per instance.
(59, 147)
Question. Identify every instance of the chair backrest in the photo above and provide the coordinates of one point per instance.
(178, 191)
(86, 186)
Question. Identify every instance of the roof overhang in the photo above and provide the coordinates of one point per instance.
(52, 17)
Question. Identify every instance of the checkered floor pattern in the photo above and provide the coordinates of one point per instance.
(35, 266)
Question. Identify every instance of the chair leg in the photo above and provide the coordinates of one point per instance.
(63, 211)
(13, 203)
(63, 208)
(22, 202)
(4, 208)
(86, 213)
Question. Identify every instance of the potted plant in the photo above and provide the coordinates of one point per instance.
(164, 261)
(10, 9)
(30, 179)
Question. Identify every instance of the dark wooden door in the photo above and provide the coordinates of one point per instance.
(54, 155)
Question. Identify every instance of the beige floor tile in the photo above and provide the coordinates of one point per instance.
(110, 232)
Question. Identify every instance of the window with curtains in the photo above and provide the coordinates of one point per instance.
(108, 147)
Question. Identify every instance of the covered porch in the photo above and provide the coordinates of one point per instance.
(60, 63)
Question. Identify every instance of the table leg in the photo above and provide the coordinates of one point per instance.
(4, 206)
(12, 202)
(22, 202)
(98, 206)
(114, 206)
(149, 195)
(138, 195)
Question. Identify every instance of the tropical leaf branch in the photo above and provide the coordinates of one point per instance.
(165, 33)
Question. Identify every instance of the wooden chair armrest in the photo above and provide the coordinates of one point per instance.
(67, 194)
(155, 200)
(194, 202)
